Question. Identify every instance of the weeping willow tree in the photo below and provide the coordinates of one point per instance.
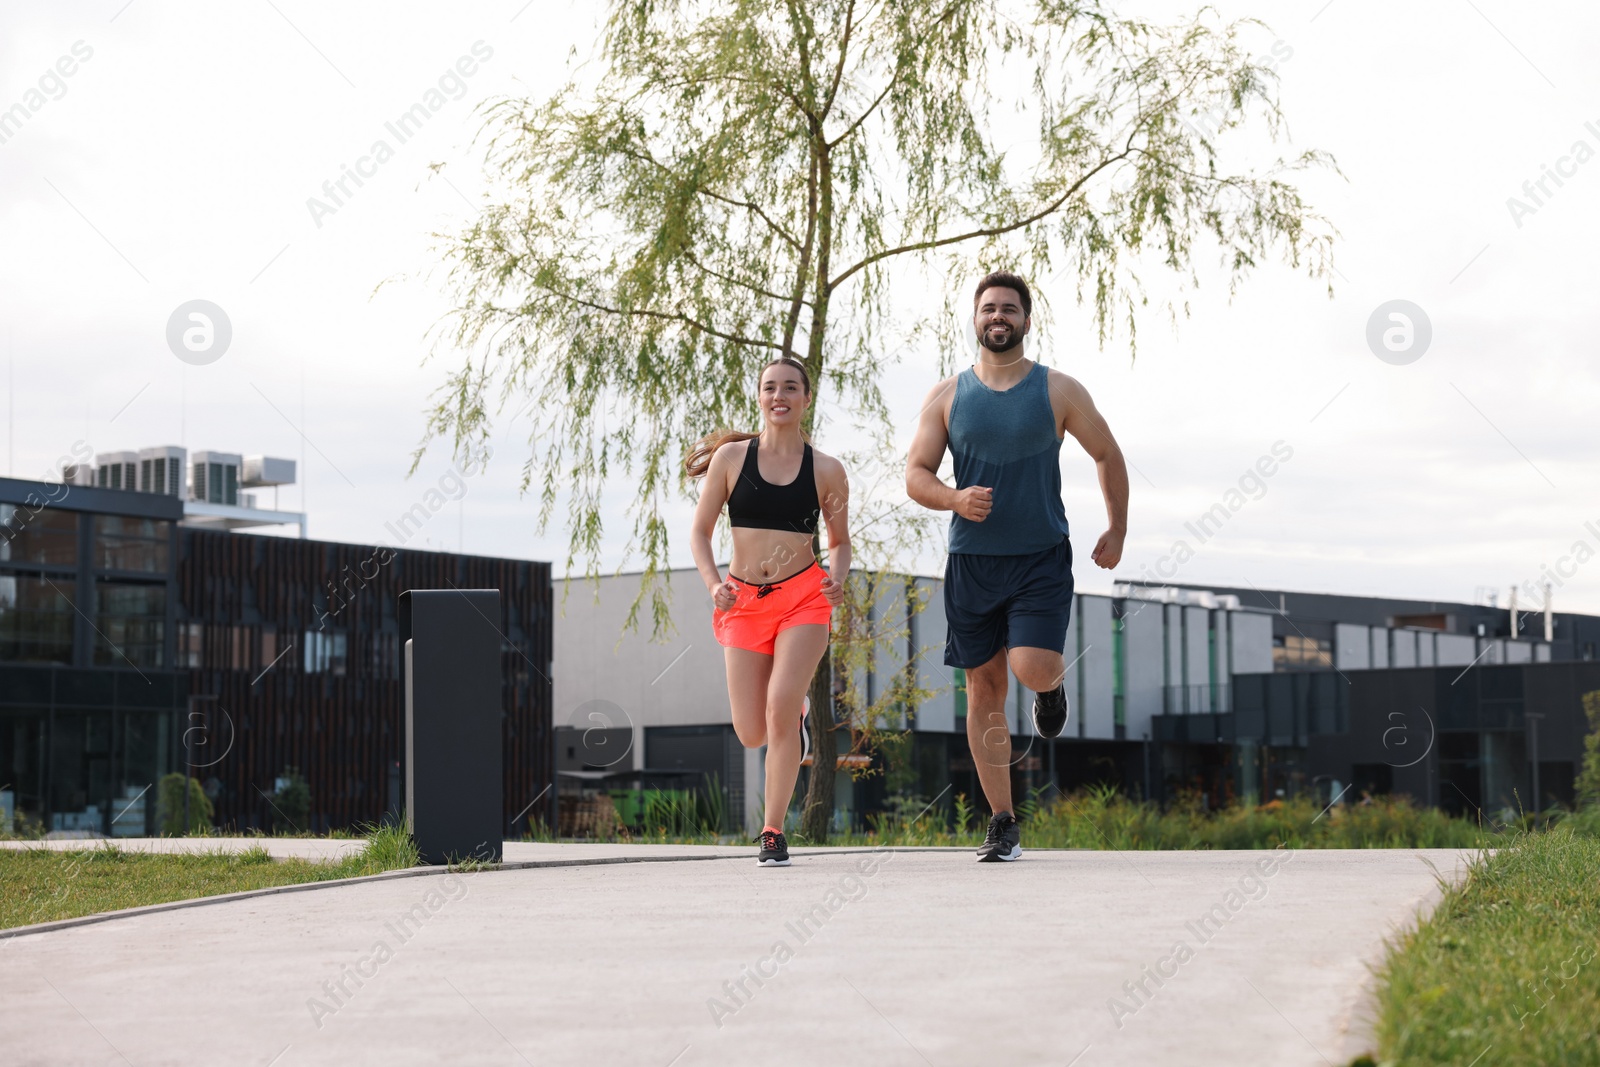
(727, 182)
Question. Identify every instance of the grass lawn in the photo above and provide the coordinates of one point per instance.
(39, 885)
(1102, 818)
(1506, 971)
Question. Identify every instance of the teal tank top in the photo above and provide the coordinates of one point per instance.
(1007, 441)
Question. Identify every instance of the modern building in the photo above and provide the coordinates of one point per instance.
(210, 484)
(1222, 694)
(135, 640)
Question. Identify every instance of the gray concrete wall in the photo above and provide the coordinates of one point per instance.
(679, 682)
(1252, 642)
(1455, 650)
(1075, 681)
(1195, 620)
(928, 634)
(1351, 651)
(1096, 664)
(1404, 648)
(1172, 623)
(1144, 643)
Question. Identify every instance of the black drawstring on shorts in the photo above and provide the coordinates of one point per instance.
(763, 590)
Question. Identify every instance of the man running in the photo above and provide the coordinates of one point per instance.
(1008, 579)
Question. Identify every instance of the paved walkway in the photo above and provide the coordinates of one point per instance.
(323, 848)
(916, 958)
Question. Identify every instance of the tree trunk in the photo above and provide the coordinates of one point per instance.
(816, 813)
(816, 817)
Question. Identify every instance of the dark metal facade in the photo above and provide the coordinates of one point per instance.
(298, 641)
(130, 645)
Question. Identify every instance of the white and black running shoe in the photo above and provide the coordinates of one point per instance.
(774, 850)
(805, 735)
(1003, 842)
(1050, 712)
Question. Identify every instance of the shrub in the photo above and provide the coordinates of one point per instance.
(169, 807)
(291, 804)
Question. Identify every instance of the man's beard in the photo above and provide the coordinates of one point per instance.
(1013, 339)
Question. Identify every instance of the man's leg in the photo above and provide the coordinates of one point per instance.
(988, 732)
(1040, 669)
(1038, 620)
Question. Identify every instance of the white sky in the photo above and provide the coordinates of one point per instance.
(178, 162)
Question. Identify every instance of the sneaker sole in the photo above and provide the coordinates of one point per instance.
(1002, 857)
(772, 863)
(1042, 732)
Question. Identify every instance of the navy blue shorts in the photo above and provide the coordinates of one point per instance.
(995, 602)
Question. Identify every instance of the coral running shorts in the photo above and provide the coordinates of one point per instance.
(761, 612)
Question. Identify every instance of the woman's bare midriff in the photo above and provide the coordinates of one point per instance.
(766, 555)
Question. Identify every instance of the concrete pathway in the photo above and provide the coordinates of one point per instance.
(916, 958)
(330, 849)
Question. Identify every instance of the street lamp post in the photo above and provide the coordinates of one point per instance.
(1533, 718)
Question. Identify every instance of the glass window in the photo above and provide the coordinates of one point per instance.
(191, 637)
(1297, 651)
(146, 745)
(128, 544)
(325, 652)
(22, 736)
(241, 646)
(79, 789)
(43, 535)
(36, 614)
(131, 619)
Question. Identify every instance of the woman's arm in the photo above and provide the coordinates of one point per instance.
(713, 496)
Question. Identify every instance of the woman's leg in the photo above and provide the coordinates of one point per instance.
(795, 656)
(748, 674)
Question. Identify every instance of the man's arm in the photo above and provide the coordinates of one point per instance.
(927, 452)
(835, 483)
(1084, 422)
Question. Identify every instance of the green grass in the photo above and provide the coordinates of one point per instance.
(1102, 818)
(1509, 961)
(40, 885)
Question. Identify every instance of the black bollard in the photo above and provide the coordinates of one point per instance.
(451, 641)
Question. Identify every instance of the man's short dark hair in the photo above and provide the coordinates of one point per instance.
(1004, 279)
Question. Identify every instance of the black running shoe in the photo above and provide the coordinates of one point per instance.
(1050, 712)
(1003, 842)
(774, 850)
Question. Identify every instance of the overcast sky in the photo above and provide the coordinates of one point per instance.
(176, 160)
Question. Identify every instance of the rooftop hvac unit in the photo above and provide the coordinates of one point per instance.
(161, 470)
(117, 470)
(214, 477)
(262, 471)
(77, 474)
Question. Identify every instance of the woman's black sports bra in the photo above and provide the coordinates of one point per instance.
(757, 503)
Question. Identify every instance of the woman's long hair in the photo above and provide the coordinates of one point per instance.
(698, 460)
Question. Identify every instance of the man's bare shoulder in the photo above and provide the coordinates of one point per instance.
(1065, 382)
(939, 396)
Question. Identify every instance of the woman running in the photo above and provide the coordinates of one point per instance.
(771, 615)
